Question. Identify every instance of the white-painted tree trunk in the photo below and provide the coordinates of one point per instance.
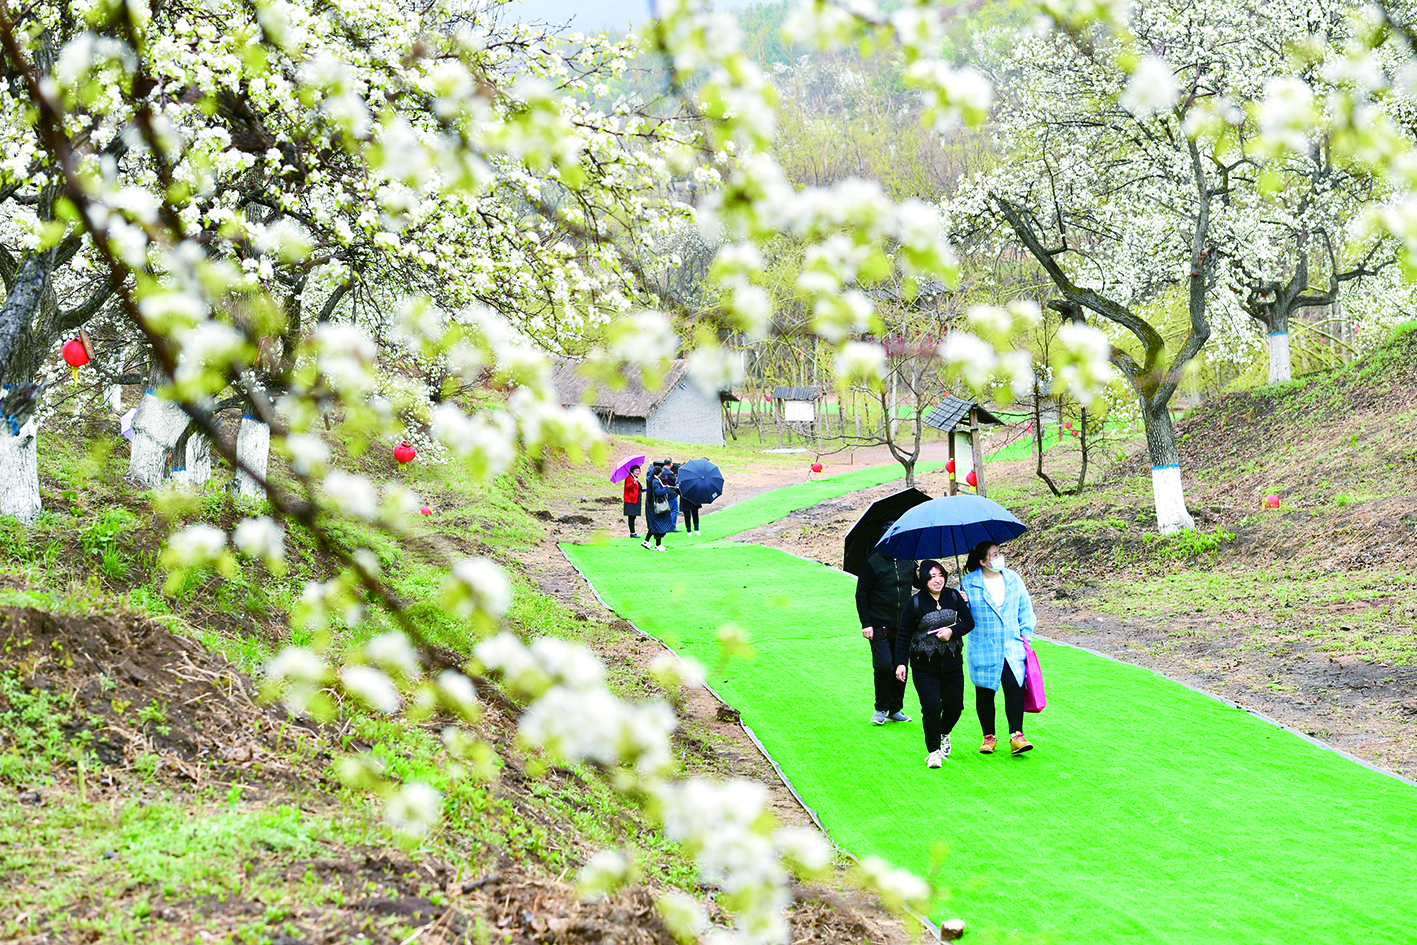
(1279, 366)
(19, 473)
(194, 469)
(113, 396)
(253, 447)
(156, 427)
(1171, 513)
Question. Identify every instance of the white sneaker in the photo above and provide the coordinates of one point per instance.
(645, 543)
(944, 746)
(661, 548)
(934, 760)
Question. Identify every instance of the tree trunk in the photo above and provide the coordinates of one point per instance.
(1279, 363)
(156, 427)
(1167, 492)
(19, 474)
(253, 447)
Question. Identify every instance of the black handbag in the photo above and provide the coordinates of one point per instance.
(925, 645)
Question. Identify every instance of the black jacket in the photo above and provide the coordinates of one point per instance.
(882, 591)
(910, 622)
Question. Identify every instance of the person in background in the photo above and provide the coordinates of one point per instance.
(670, 477)
(691, 515)
(656, 498)
(930, 639)
(632, 498)
(883, 590)
(1003, 620)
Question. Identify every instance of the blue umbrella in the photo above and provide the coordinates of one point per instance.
(948, 526)
(700, 481)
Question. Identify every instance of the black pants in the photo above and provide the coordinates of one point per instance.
(941, 691)
(890, 692)
(658, 538)
(632, 525)
(1013, 703)
(690, 512)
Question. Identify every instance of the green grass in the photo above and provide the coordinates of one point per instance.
(1148, 813)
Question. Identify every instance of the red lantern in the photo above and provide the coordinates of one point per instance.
(972, 479)
(1028, 427)
(950, 467)
(425, 510)
(817, 467)
(404, 453)
(76, 353)
(1271, 501)
(1068, 424)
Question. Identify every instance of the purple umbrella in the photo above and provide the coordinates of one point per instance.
(125, 425)
(622, 468)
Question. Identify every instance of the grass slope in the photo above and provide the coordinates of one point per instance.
(1149, 813)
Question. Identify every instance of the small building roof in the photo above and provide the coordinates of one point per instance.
(948, 415)
(796, 393)
(632, 400)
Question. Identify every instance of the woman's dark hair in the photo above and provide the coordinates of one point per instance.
(922, 574)
(633, 469)
(977, 556)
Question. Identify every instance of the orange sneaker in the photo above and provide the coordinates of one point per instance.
(1019, 744)
(990, 743)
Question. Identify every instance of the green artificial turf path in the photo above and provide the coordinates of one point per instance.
(1148, 813)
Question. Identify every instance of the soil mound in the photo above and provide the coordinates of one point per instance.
(130, 688)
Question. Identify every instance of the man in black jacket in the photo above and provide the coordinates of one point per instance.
(883, 590)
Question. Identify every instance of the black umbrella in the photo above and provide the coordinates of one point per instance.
(863, 535)
(700, 481)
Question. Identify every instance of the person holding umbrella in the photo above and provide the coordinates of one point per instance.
(1004, 619)
(628, 469)
(632, 498)
(700, 482)
(883, 589)
(930, 639)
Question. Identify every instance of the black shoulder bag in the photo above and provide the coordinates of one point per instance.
(925, 645)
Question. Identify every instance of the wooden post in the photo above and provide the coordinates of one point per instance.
(978, 456)
(954, 483)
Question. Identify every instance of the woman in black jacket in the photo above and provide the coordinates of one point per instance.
(931, 637)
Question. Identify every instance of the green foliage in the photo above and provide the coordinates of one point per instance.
(1187, 544)
(33, 735)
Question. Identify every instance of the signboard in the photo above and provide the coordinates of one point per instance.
(798, 411)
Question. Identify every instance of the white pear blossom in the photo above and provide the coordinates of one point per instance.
(371, 687)
(197, 545)
(415, 810)
(1152, 88)
(260, 538)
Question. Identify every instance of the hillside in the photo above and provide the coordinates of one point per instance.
(132, 739)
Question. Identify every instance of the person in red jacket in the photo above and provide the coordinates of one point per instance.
(632, 498)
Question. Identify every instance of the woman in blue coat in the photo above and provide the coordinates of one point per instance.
(657, 524)
(1003, 620)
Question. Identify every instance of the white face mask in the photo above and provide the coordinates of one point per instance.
(996, 564)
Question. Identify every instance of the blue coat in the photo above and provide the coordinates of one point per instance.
(656, 524)
(999, 632)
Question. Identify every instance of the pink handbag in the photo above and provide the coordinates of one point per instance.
(1033, 698)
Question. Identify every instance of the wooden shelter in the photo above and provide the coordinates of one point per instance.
(962, 420)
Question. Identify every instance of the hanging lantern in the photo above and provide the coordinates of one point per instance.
(404, 453)
(1028, 427)
(950, 467)
(425, 510)
(76, 354)
(817, 467)
(1271, 501)
(972, 479)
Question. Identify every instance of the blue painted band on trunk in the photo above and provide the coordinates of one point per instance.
(1276, 334)
(1169, 466)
